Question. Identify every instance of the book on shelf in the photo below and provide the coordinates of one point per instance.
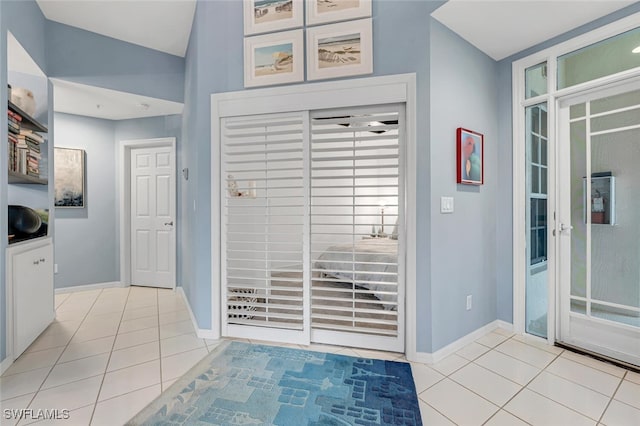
(36, 137)
(24, 156)
(24, 147)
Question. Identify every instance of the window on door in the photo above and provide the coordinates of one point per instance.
(537, 223)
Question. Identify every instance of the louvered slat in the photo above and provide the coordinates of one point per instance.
(263, 160)
(354, 287)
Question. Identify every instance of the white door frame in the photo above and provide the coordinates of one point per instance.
(124, 187)
(590, 333)
(327, 95)
(519, 103)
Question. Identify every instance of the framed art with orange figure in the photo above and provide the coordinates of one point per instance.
(470, 157)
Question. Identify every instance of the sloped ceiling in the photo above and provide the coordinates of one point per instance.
(162, 25)
(503, 28)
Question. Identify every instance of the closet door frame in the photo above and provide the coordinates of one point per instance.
(328, 95)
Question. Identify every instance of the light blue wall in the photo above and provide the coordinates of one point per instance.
(463, 257)
(85, 243)
(149, 128)
(214, 64)
(84, 57)
(26, 22)
(82, 260)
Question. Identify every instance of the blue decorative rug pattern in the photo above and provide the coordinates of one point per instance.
(247, 384)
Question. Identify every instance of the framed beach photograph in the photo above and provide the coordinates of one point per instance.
(262, 16)
(324, 11)
(69, 175)
(470, 157)
(339, 50)
(273, 59)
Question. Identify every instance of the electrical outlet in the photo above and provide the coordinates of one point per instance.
(468, 302)
(55, 268)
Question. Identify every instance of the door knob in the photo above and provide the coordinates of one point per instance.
(169, 223)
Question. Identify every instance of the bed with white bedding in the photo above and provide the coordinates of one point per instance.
(370, 263)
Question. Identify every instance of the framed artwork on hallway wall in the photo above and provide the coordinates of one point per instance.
(325, 11)
(470, 157)
(69, 175)
(339, 50)
(274, 59)
(262, 16)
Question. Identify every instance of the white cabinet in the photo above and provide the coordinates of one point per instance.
(30, 286)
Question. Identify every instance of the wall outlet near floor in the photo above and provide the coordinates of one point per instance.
(55, 268)
(468, 302)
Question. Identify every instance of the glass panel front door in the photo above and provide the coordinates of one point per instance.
(599, 229)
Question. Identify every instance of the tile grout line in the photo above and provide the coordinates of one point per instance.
(544, 396)
(437, 411)
(522, 387)
(159, 342)
(555, 356)
(580, 384)
(578, 361)
(611, 399)
(104, 375)
(35, 395)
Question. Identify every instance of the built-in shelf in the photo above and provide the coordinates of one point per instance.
(28, 122)
(15, 177)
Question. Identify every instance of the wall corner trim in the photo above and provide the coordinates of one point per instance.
(5, 364)
(440, 354)
(202, 333)
(85, 287)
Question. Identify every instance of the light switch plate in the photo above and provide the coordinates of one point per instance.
(446, 204)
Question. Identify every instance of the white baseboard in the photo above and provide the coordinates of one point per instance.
(5, 364)
(440, 354)
(505, 325)
(203, 333)
(86, 287)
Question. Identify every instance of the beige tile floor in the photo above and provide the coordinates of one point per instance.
(110, 352)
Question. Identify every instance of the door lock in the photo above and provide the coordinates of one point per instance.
(564, 227)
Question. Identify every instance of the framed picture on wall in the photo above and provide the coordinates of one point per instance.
(262, 16)
(69, 176)
(273, 59)
(339, 50)
(324, 11)
(470, 157)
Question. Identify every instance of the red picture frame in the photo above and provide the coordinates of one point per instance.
(470, 157)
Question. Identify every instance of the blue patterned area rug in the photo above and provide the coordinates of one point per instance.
(246, 384)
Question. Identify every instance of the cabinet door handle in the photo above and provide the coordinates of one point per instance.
(42, 260)
(36, 262)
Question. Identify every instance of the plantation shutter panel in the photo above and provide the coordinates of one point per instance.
(265, 229)
(357, 206)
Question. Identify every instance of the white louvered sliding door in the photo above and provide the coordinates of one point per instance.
(313, 219)
(356, 227)
(264, 230)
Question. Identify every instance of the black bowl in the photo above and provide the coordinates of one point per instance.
(23, 220)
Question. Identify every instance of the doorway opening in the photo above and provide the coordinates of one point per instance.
(148, 212)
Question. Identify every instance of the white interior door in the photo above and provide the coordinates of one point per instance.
(265, 227)
(153, 206)
(357, 222)
(598, 226)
